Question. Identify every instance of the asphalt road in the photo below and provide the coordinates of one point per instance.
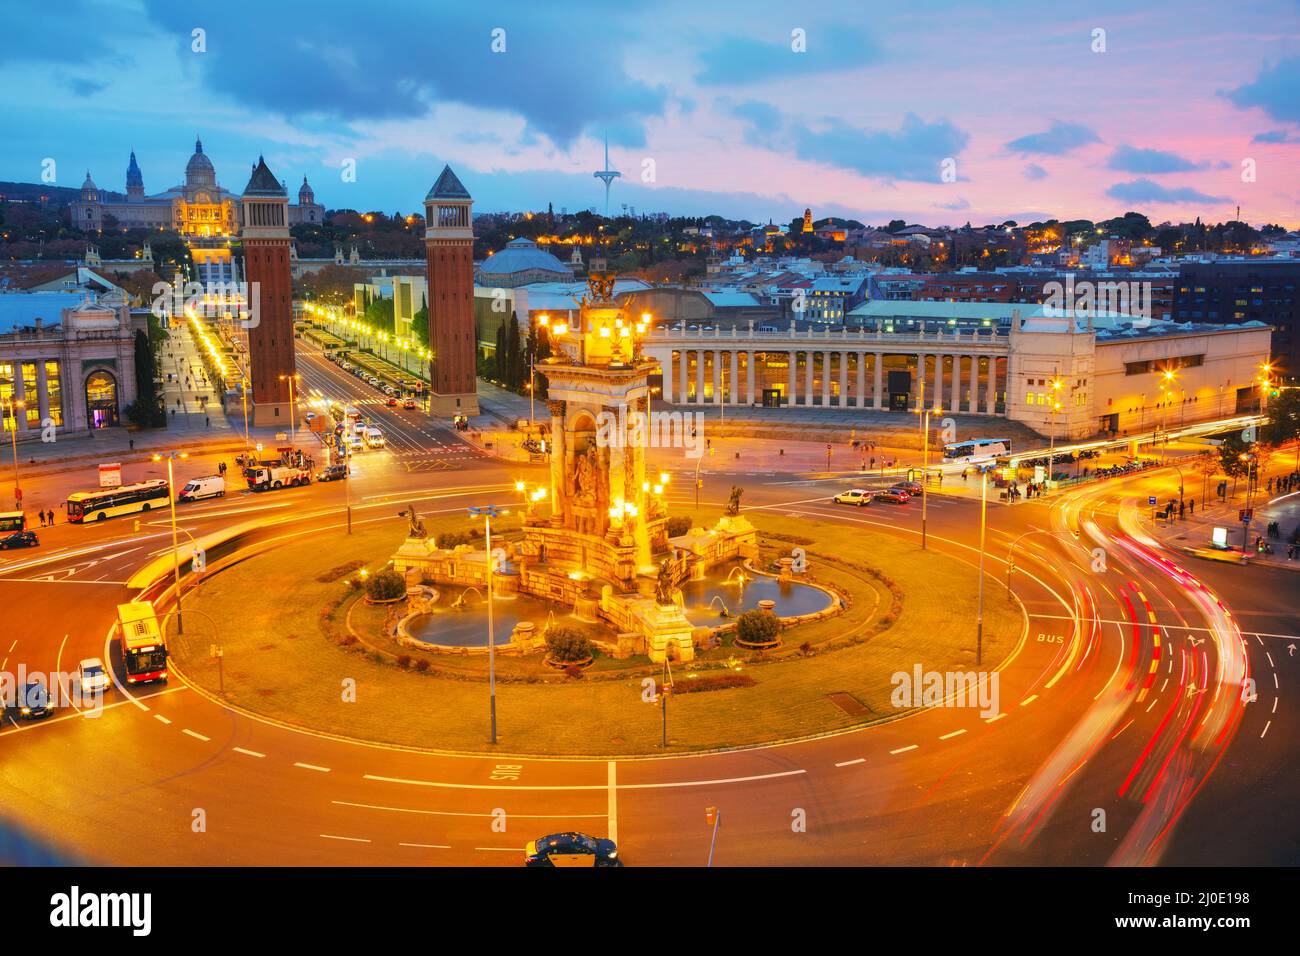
(1122, 735)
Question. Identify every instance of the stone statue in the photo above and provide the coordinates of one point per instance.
(664, 587)
(733, 504)
(417, 528)
(586, 476)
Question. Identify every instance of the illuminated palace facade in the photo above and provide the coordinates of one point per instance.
(199, 208)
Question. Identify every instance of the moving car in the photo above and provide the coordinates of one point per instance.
(571, 849)
(209, 486)
(855, 496)
(409, 404)
(356, 442)
(896, 496)
(35, 701)
(19, 539)
(92, 675)
(332, 473)
(392, 402)
(913, 488)
(374, 438)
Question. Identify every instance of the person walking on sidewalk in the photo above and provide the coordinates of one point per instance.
(1192, 506)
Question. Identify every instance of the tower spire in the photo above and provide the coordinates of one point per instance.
(607, 175)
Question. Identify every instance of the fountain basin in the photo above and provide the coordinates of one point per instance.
(704, 600)
(457, 621)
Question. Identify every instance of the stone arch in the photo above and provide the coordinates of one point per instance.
(101, 393)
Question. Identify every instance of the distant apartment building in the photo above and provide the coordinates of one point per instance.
(1229, 292)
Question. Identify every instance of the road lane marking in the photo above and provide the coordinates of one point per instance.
(501, 849)
(850, 763)
(903, 750)
(330, 836)
(195, 734)
(597, 786)
(467, 813)
(989, 720)
(1265, 730)
(247, 753)
(426, 846)
(955, 733)
(612, 812)
(312, 766)
(1029, 700)
(160, 717)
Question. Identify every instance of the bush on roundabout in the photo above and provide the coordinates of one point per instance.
(387, 585)
(567, 645)
(757, 627)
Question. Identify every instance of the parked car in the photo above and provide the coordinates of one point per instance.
(332, 473)
(35, 701)
(856, 496)
(913, 488)
(571, 849)
(895, 496)
(92, 676)
(19, 539)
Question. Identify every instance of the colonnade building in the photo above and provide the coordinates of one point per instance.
(1056, 371)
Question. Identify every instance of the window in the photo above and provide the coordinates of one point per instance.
(33, 395)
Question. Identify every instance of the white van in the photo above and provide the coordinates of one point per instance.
(374, 438)
(196, 489)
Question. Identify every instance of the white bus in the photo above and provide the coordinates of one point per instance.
(110, 502)
(976, 450)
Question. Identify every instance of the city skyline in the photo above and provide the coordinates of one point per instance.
(704, 114)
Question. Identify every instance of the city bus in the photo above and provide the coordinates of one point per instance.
(144, 650)
(12, 521)
(976, 450)
(344, 414)
(110, 502)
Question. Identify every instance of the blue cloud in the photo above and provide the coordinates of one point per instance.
(1034, 171)
(739, 60)
(1276, 91)
(1059, 139)
(339, 63)
(912, 152)
(957, 205)
(1275, 136)
(1149, 191)
(1132, 159)
(763, 122)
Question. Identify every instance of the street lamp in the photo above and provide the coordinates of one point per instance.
(1249, 458)
(925, 467)
(488, 512)
(979, 619)
(13, 431)
(293, 407)
(171, 456)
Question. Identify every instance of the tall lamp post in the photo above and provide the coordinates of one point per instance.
(1249, 459)
(171, 456)
(979, 619)
(293, 407)
(487, 513)
(925, 467)
(13, 433)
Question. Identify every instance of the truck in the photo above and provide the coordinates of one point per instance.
(262, 477)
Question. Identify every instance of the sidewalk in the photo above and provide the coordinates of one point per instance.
(1193, 533)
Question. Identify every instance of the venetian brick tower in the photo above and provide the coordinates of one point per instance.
(264, 230)
(449, 251)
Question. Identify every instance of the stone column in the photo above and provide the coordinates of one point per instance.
(667, 366)
(717, 376)
(793, 372)
(699, 376)
(685, 376)
(826, 379)
(751, 358)
(956, 382)
(938, 381)
(43, 389)
(862, 379)
(991, 398)
(880, 378)
(809, 373)
(735, 377)
(844, 379)
(19, 395)
(559, 500)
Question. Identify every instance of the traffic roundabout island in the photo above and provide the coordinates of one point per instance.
(800, 638)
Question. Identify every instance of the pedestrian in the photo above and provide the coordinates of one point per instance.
(207, 422)
(1182, 510)
(131, 443)
(1192, 506)
(50, 513)
(42, 514)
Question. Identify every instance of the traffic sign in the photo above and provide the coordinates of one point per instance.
(1151, 499)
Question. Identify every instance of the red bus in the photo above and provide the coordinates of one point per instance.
(144, 650)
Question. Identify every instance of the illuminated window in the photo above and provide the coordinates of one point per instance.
(54, 391)
(33, 396)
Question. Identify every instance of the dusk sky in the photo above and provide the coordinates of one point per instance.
(733, 120)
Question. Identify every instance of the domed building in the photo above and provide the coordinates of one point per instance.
(200, 207)
(521, 262)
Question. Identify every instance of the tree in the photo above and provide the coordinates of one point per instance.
(757, 627)
(147, 410)
(514, 355)
(1283, 418)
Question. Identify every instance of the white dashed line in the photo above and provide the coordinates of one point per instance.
(330, 836)
(310, 766)
(247, 753)
(1265, 730)
(989, 720)
(426, 846)
(903, 750)
(1029, 700)
(955, 733)
(195, 734)
(850, 763)
(501, 849)
(160, 717)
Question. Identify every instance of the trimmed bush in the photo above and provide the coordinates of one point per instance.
(698, 685)
(757, 627)
(565, 645)
(678, 525)
(386, 585)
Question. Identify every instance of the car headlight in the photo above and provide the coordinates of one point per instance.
(613, 854)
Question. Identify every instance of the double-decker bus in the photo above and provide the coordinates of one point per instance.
(12, 521)
(144, 650)
(976, 450)
(110, 502)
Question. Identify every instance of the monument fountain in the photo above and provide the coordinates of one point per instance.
(604, 549)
